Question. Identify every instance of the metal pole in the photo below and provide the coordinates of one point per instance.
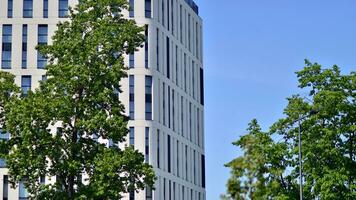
(300, 163)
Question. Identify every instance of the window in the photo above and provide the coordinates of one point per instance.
(147, 144)
(158, 150)
(157, 48)
(148, 8)
(201, 86)
(63, 8)
(132, 97)
(132, 136)
(23, 194)
(203, 170)
(177, 158)
(172, 16)
(131, 60)
(3, 136)
(25, 84)
(173, 111)
(45, 8)
(27, 8)
(182, 115)
(132, 195)
(132, 8)
(149, 193)
(189, 32)
(163, 13)
(146, 46)
(24, 47)
(186, 162)
(193, 78)
(148, 97)
(177, 66)
(5, 188)
(185, 72)
(169, 107)
(168, 57)
(6, 46)
(42, 40)
(9, 8)
(164, 103)
(168, 16)
(181, 23)
(169, 152)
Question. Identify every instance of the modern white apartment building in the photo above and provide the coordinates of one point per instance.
(163, 94)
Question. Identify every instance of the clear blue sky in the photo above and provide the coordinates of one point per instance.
(252, 49)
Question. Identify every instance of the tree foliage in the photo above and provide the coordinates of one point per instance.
(53, 128)
(269, 168)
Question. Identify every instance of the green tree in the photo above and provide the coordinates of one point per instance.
(328, 142)
(52, 128)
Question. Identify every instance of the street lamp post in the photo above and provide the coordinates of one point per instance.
(312, 112)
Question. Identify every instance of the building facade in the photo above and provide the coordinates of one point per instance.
(163, 94)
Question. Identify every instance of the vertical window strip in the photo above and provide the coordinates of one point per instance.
(146, 47)
(10, 7)
(158, 150)
(132, 8)
(5, 186)
(62, 8)
(148, 97)
(27, 8)
(24, 46)
(42, 39)
(132, 60)
(6, 46)
(45, 8)
(147, 144)
(169, 153)
(157, 48)
(168, 57)
(148, 8)
(132, 97)
(132, 136)
(25, 84)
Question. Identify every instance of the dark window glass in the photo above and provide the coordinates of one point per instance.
(45, 8)
(9, 8)
(147, 144)
(201, 86)
(6, 46)
(132, 8)
(157, 49)
(149, 193)
(63, 8)
(173, 111)
(132, 97)
(182, 115)
(169, 107)
(42, 40)
(158, 149)
(146, 46)
(4, 136)
(27, 8)
(148, 8)
(132, 136)
(169, 152)
(203, 170)
(148, 97)
(132, 195)
(132, 60)
(168, 57)
(164, 104)
(24, 47)
(25, 84)
(5, 193)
